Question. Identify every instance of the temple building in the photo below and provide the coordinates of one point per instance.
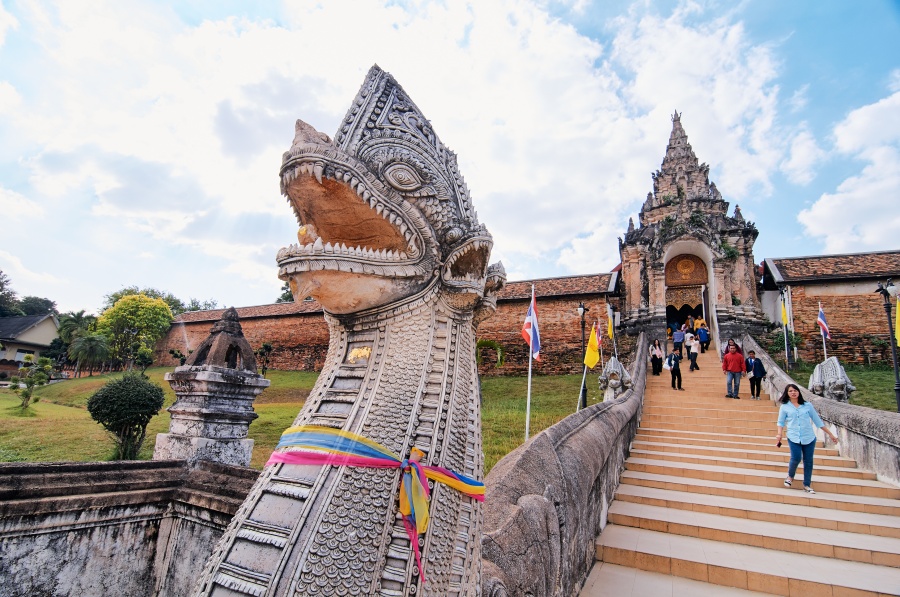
(686, 256)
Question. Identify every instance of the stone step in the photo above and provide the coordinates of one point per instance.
(742, 463)
(612, 580)
(841, 545)
(750, 421)
(703, 438)
(805, 516)
(780, 455)
(712, 426)
(743, 566)
(825, 481)
(795, 495)
(690, 410)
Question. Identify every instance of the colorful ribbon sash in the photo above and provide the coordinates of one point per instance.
(317, 445)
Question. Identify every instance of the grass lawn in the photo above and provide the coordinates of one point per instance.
(874, 385)
(59, 428)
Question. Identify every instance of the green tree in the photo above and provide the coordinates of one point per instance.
(72, 324)
(9, 300)
(198, 305)
(35, 305)
(179, 356)
(176, 305)
(144, 359)
(31, 375)
(56, 351)
(88, 350)
(124, 407)
(286, 295)
(134, 321)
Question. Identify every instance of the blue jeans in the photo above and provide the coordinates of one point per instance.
(732, 379)
(799, 451)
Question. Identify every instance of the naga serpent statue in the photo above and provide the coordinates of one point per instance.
(390, 246)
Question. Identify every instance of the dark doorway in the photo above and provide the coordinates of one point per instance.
(679, 316)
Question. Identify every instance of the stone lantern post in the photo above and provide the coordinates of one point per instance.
(215, 390)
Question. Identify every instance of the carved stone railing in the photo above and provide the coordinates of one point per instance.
(870, 437)
(547, 501)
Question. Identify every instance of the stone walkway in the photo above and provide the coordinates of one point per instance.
(701, 509)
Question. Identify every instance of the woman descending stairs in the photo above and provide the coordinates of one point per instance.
(702, 509)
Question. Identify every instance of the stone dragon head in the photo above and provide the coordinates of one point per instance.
(383, 211)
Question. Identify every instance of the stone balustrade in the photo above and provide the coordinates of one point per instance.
(547, 501)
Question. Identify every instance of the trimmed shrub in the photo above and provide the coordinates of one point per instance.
(124, 407)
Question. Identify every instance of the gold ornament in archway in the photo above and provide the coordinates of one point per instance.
(685, 270)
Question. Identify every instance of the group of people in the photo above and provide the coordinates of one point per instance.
(796, 417)
(735, 366)
(687, 337)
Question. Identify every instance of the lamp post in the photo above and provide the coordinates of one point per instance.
(583, 401)
(888, 290)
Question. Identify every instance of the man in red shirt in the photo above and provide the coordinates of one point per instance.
(733, 366)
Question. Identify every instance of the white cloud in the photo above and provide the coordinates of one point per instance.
(17, 271)
(805, 155)
(7, 22)
(15, 206)
(861, 214)
(799, 99)
(157, 125)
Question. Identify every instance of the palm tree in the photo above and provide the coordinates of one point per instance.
(74, 324)
(88, 350)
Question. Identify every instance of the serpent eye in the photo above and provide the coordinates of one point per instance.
(402, 177)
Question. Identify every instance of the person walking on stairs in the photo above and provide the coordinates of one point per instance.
(694, 351)
(678, 339)
(755, 372)
(656, 357)
(799, 417)
(703, 336)
(733, 366)
(674, 368)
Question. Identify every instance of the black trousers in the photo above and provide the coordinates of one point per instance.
(693, 357)
(677, 346)
(704, 346)
(676, 374)
(656, 362)
(755, 386)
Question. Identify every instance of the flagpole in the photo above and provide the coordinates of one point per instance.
(528, 401)
(824, 349)
(786, 365)
(600, 342)
(583, 378)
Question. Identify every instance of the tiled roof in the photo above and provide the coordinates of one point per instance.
(873, 265)
(12, 327)
(273, 310)
(569, 285)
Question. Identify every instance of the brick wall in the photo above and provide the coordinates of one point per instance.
(299, 341)
(858, 324)
(560, 327)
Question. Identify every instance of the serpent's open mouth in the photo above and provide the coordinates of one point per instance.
(345, 226)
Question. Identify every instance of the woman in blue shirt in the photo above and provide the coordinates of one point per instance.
(799, 416)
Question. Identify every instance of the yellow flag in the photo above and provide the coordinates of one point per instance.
(897, 323)
(609, 324)
(784, 318)
(592, 354)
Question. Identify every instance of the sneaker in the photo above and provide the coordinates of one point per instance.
(736, 397)
(680, 389)
(787, 482)
(729, 396)
(809, 489)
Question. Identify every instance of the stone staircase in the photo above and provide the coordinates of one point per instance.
(701, 508)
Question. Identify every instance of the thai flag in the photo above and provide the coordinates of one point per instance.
(530, 329)
(823, 324)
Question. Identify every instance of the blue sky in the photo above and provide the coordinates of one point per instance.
(142, 140)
